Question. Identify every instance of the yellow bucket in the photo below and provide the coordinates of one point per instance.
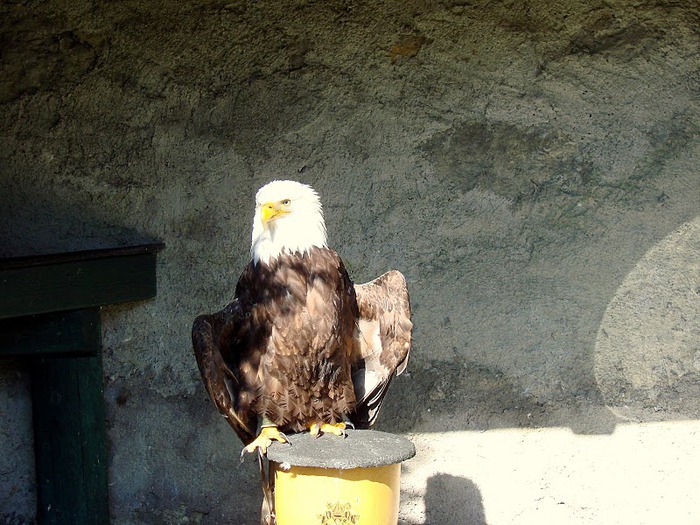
(359, 496)
(337, 481)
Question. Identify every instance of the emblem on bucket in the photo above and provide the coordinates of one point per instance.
(338, 514)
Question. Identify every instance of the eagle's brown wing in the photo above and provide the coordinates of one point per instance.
(212, 342)
(382, 342)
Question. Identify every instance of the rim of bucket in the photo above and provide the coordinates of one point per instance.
(359, 449)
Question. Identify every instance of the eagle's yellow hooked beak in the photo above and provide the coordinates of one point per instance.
(271, 210)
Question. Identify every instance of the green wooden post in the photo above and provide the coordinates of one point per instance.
(69, 434)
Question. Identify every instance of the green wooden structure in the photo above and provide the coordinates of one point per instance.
(49, 313)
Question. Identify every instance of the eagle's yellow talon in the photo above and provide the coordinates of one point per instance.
(264, 440)
(316, 429)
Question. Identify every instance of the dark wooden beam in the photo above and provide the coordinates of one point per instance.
(34, 285)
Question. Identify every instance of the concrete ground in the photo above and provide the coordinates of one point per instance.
(642, 473)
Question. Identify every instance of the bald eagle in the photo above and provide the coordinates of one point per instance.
(301, 347)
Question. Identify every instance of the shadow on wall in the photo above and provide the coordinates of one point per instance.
(35, 223)
(453, 499)
(460, 395)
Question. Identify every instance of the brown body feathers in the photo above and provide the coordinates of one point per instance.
(301, 344)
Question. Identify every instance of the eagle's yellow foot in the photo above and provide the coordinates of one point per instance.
(264, 440)
(316, 429)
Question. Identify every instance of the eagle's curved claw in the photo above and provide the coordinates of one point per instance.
(264, 440)
(286, 439)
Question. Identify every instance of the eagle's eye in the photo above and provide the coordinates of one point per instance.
(286, 202)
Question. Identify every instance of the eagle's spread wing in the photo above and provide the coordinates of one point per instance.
(383, 342)
(212, 342)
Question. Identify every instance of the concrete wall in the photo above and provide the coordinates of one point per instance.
(531, 166)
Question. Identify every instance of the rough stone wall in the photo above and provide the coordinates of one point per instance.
(531, 166)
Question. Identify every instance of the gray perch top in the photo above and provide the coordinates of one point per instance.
(360, 449)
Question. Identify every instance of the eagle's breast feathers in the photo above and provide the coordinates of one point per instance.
(300, 364)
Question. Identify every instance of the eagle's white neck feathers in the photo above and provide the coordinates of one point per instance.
(297, 229)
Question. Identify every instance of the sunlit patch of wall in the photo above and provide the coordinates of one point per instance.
(647, 356)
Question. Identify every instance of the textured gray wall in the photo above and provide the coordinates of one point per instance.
(531, 166)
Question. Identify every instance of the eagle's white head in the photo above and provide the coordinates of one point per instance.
(288, 219)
